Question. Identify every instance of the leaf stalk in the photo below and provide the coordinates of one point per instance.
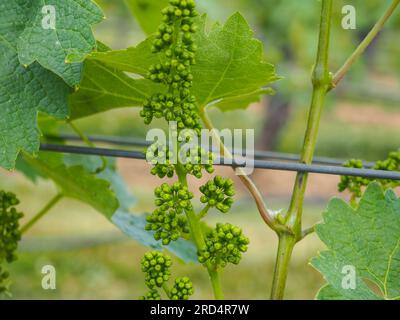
(244, 178)
(340, 74)
(42, 213)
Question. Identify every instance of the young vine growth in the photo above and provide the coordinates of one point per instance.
(54, 72)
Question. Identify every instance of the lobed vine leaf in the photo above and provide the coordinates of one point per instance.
(104, 87)
(55, 33)
(105, 191)
(134, 226)
(242, 101)
(38, 86)
(230, 63)
(329, 293)
(365, 240)
(126, 200)
(136, 60)
(23, 93)
(184, 249)
(230, 70)
(75, 182)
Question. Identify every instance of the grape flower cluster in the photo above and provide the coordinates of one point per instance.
(10, 233)
(392, 163)
(218, 193)
(355, 184)
(167, 220)
(156, 267)
(175, 196)
(174, 43)
(195, 160)
(174, 216)
(4, 275)
(153, 294)
(182, 290)
(160, 157)
(225, 244)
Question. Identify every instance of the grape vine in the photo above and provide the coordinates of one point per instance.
(174, 216)
(175, 75)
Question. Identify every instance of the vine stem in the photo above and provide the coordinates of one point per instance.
(204, 212)
(89, 143)
(308, 231)
(364, 44)
(245, 179)
(215, 282)
(198, 238)
(166, 290)
(41, 213)
(321, 81)
(285, 249)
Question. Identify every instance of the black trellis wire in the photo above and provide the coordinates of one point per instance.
(259, 164)
(258, 154)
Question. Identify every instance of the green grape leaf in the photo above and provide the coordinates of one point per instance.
(23, 93)
(125, 197)
(147, 12)
(106, 189)
(12, 20)
(229, 63)
(48, 126)
(135, 60)
(55, 33)
(22, 166)
(364, 247)
(184, 249)
(104, 87)
(243, 101)
(134, 226)
(329, 293)
(230, 70)
(75, 182)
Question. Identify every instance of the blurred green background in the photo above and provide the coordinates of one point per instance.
(362, 119)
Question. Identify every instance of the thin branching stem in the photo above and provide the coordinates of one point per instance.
(340, 74)
(89, 143)
(203, 212)
(306, 232)
(245, 179)
(41, 213)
